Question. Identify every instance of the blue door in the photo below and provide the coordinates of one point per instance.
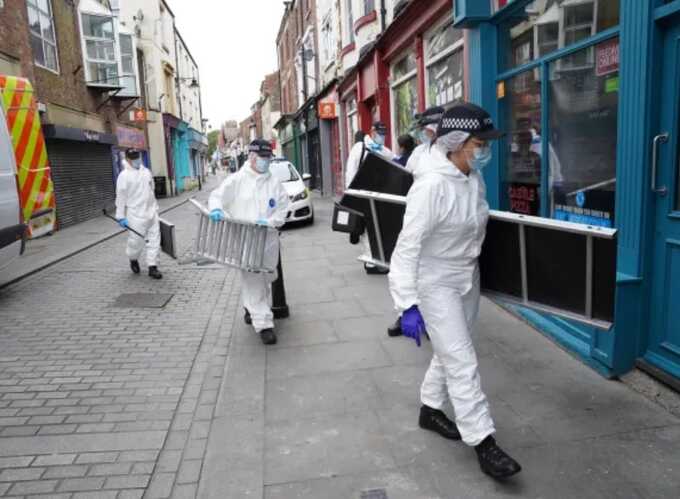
(663, 349)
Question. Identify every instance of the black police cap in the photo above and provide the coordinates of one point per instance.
(470, 118)
(261, 147)
(430, 116)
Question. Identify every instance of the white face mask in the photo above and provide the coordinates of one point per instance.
(481, 156)
(136, 163)
(262, 165)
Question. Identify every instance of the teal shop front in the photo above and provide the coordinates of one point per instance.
(588, 93)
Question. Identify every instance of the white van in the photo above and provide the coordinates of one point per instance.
(12, 228)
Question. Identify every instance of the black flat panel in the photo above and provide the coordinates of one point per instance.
(556, 268)
(380, 175)
(604, 279)
(500, 262)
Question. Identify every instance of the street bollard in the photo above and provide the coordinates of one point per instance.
(279, 305)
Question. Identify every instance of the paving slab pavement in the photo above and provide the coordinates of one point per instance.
(331, 411)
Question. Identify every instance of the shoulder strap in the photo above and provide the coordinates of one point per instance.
(363, 153)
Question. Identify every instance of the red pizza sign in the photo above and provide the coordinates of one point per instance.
(607, 57)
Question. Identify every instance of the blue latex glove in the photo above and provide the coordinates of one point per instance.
(412, 323)
(217, 215)
(123, 222)
(263, 222)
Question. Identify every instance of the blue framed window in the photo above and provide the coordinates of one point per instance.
(558, 101)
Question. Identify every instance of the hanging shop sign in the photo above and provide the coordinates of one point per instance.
(327, 110)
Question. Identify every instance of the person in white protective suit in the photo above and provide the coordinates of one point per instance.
(137, 209)
(434, 279)
(426, 131)
(253, 194)
(375, 143)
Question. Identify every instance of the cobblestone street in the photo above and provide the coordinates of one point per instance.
(107, 399)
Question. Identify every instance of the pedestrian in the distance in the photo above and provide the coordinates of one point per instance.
(434, 279)
(253, 194)
(137, 209)
(407, 145)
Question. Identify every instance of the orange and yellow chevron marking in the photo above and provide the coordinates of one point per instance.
(33, 169)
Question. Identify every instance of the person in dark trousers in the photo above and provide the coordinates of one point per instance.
(406, 147)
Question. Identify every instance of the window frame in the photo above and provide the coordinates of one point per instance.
(459, 45)
(413, 74)
(542, 65)
(135, 65)
(86, 59)
(33, 4)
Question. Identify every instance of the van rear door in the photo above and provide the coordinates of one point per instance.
(12, 229)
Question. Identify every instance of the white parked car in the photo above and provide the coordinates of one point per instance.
(12, 229)
(300, 208)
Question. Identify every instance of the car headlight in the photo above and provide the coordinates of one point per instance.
(300, 197)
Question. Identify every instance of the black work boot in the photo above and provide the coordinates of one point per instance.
(268, 336)
(154, 273)
(436, 421)
(246, 317)
(395, 329)
(494, 461)
(134, 266)
(373, 270)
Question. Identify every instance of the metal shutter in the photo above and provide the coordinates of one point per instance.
(83, 180)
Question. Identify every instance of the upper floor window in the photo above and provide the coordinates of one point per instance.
(350, 21)
(369, 6)
(545, 26)
(99, 40)
(128, 76)
(327, 41)
(43, 39)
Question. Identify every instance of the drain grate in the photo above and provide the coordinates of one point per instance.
(143, 300)
(374, 494)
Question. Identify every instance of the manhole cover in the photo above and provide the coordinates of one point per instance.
(143, 300)
(374, 494)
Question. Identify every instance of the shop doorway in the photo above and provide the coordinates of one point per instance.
(663, 348)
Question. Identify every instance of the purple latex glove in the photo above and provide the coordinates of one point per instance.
(412, 323)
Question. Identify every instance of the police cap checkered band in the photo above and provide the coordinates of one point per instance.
(261, 147)
(466, 117)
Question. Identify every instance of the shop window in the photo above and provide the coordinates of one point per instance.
(549, 25)
(444, 60)
(522, 177)
(128, 78)
(101, 64)
(583, 137)
(369, 6)
(404, 94)
(43, 40)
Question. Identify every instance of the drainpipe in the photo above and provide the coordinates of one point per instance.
(383, 16)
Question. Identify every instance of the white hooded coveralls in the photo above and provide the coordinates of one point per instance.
(434, 266)
(250, 196)
(136, 201)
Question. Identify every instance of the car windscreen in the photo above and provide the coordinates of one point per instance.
(284, 171)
